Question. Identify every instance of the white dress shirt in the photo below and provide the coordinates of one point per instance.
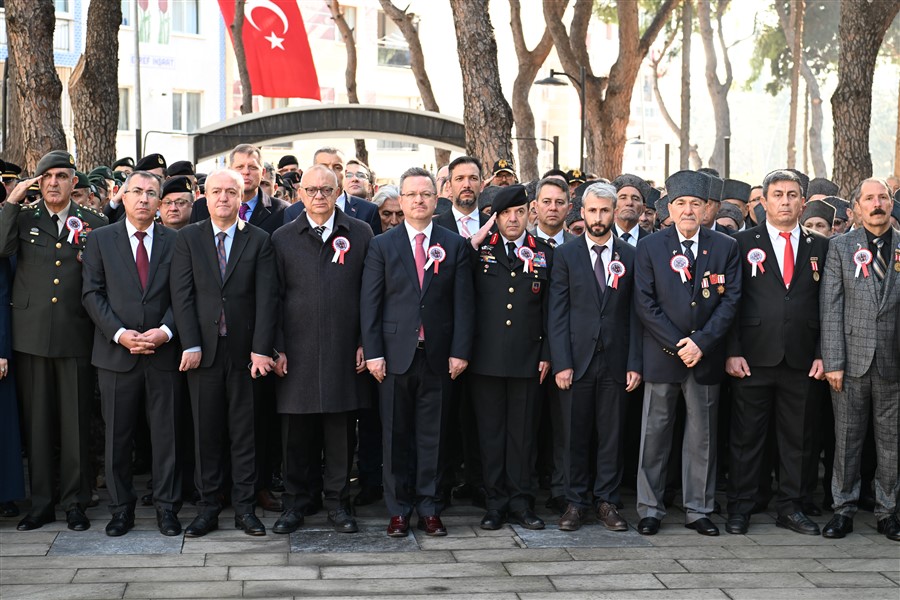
(558, 238)
(778, 244)
(607, 256)
(412, 233)
(696, 239)
(634, 233)
(472, 225)
(329, 226)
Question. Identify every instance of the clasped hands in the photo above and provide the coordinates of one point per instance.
(143, 343)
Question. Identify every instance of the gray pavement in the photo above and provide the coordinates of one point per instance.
(468, 564)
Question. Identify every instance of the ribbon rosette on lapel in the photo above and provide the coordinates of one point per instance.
(436, 256)
(756, 258)
(341, 246)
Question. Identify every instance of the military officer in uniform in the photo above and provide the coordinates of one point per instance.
(52, 337)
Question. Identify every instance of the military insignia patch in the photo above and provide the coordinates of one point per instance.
(536, 287)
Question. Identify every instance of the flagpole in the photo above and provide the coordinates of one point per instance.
(137, 85)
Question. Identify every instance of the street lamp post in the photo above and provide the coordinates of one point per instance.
(580, 81)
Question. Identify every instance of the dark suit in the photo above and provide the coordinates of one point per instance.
(221, 388)
(114, 299)
(415, 392)
(642, 233)
(595, 334)
(777, 332)
(671, 310)
(267, 215)
(354, 206)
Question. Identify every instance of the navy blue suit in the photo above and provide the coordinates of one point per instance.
(354, 206)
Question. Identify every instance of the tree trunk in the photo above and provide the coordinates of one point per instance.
(806, 131)
(718, 91)
(237, 36)
(350, 73)
(861, 31)
(486, 113)
(687, 29)
(695, 161)
(94, 87)
(897, 137)
(14, 149)
(29, 29)
(404, 21)
(797, 10)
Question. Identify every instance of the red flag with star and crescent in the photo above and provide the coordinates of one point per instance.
(279, 60)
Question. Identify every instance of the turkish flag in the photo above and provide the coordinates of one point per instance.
(279, 60)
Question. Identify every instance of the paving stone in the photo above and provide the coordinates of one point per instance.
(410, 572)
(369, 558)
(813, 594)
(756, 565)
(369, 539)
(246, 559)
(97, 591)
(795, 539)
(789, 552)
(892, 575)
(663, 539)
(279, 544)
(191, 589)
(590, 536)
(38, 536)
(429, 586)
(87, 562)
(861, 564)
(566, 583)
(477, 543)
(849, 580)
(651, 553)
(597, 567)
(24, 549)
(152, 574)
(736, 580)
(29, 576)
(253, 573)
(630, 595)
(512, 555)
(490, 596)
(506, 530)
(97, 543)
(870, 551)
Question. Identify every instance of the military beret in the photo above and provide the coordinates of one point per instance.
(716, 186)
(83, 183)
(579, 191)
(292, 178)
(508, 197)
(651, 199)
(573, 216)
(840, 205)
(287, 159)
(730, 211)
(662, 208)
(102, 172)
(177, 185)
(181, 167)
(804, 180)
(488, 195)
(57, 159)
(628, 180)
(688, 183)
(574, 176)
(10, 171)
(119, 176)
(818, 208)
(736, 190)
(123, 162)
(503, 166)
(820, 185)
(97, 181)
(151, 161)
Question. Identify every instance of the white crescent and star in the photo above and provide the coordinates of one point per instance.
(272, 38)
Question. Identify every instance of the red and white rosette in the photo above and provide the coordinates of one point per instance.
(526, 255)
(681, 265)
(436, 256)
(75, 226)
(341, 245)
(756, 258)
(862, 258)
(616, 269)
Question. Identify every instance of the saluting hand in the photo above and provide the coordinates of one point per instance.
(481, 234)
(18, 193)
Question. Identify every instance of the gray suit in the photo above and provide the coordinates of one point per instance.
(859, 321)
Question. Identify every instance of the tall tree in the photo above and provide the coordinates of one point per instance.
(718, 90)
(94, 86)
(486, 113)
(530, 61)
(862, 29)
(405, 21)
(350, 72)
(607, 98)
(14, 145)
(796, 49)
(237, 37)
(29, 30)
(687, 31)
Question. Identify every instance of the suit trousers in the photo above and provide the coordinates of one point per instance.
(594, 408)
(369, 436)
(862, 396)
(222, 403)
(122, 396)
(785, 395)
(268, 432)
(506, 411)
(56, 398)
(415, 411)
(698, 478)
(302, 463)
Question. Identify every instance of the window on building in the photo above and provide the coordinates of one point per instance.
(186, 111)
(185, 16)
(127, 12)
(395, 145)
(124, 106)
(393, 51)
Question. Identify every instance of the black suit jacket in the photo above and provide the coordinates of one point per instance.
(356, 207)
(446, 220)
(113, 297)
(671, 310)
(393, 306)
(249, 294)
(580, 314)
(642, 233)
(775, 323)
(268, 214)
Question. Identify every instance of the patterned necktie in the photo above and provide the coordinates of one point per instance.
(688, 244)
(879, 266)
(552, 242)
(464, 227)
(223, 263)
(320, 231)
(599, 271)
(788, 269)
(242, 212)
(420, 270)
(141, 259)
(511, 252)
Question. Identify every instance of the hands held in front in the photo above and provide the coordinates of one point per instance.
(377, 368)
(690, 354)
(260, 365)
(143, 343)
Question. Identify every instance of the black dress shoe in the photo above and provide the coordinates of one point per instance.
(120, 523)
(648, 526)
(343, 521)
(737, 524)
(147, 499)
(168, 523)
(798, 522)
(369, 494)
(34, 522)
(703, 526)
(77, 520)
(250, 524)
(526, 518)
(890, 527)
(492, 520)
(9, 509)
(266, 500)
(313, 507)
(201, 525)
(288, 522)
(811, 509)
(838, 527)
(557, 503)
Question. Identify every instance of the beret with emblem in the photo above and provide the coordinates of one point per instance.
(628, 180)
(508, 197)
(177, 185)
(83, 183)
(151, 161)
(102, 173)
(181, 167)
(123, 162)
(10, 171)
(574, 176)
(286, 160)
(119, 176)
(820, 185)
(688, 183)
(734, 189)
(818, 208)
(57, 159)
(503, 166)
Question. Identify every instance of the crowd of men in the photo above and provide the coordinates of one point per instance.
(462, 336)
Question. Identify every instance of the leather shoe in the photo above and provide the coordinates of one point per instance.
(890, 527)
(343, 521)
(313, 507)
(77, 520)
(526, 518)
(432, 526)
(289, 521)
(120, 523)
(557, 503)
(492, 520)
(9, 509)
(34, 522)
(201, 525)
(250, 524)
(368, 495)
(797, 522)
(838, 527)
(168, 523)
(572, 519)
(703, 526)
(811, 509)
(609, 516)
(267, 501)
(147, 499)
(648, 526)
(737, 524)
(398, 527)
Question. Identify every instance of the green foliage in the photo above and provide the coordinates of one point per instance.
(606, 11)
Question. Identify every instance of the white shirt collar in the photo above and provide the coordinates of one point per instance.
(131, 229)
(635, 231)
(412, 232)
(609, 244)
(695, 239)
(228, 232)
(458, 215)
(518, 242)
(542, 234)
(63, 214)
(329, 224)
(776, 233)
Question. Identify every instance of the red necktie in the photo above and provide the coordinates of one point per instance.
(420, 270)
(788, 271)
(141, 259)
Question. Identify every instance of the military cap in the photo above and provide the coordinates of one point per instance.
(730, 211)
(629, 180)
(10, 171)
(181, 167)
(33, 191)
(177, 185)
(96, 180)
(820, 185)
(573, 216)
(57, 159)
(286, 160)
(151, 161)
(123, 162)
(818, 208)
(102, 173)
(652, 198)
(734, 189)
(119, 176)
(488, 195)
(503, 166)
(579, 191)
(716, 186)
(688, 183)
(508, 197)
(804, 180)
(83, 183)
(574, 176)
(662, 208)
(840, 205)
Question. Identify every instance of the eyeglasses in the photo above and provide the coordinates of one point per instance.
(313, 191)
(414, 195)
(178, 203)
(357, 175)
(138, 192)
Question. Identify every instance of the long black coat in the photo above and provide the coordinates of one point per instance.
(318, 327)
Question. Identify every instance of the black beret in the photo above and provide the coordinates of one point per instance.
(287, 159)
(662, 208)
(11, 170)
(151, 161)
(83, 183)
(716, 186)
(818, 208)
(124, 162)
(487, 196)
(804, 180)
(102, 172)
(820, 185)
(292, 178)
(119, 176)
(688, 183)
(57, 159)
(579, 191)
(177, 185)
(736, 190)
(652, 197)
(730, 211)
(574, 215)
(98, 181)
(574, 175)
(840, 205)
(504, 166)
(628, 180)
(181, 167)
(508, 197)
